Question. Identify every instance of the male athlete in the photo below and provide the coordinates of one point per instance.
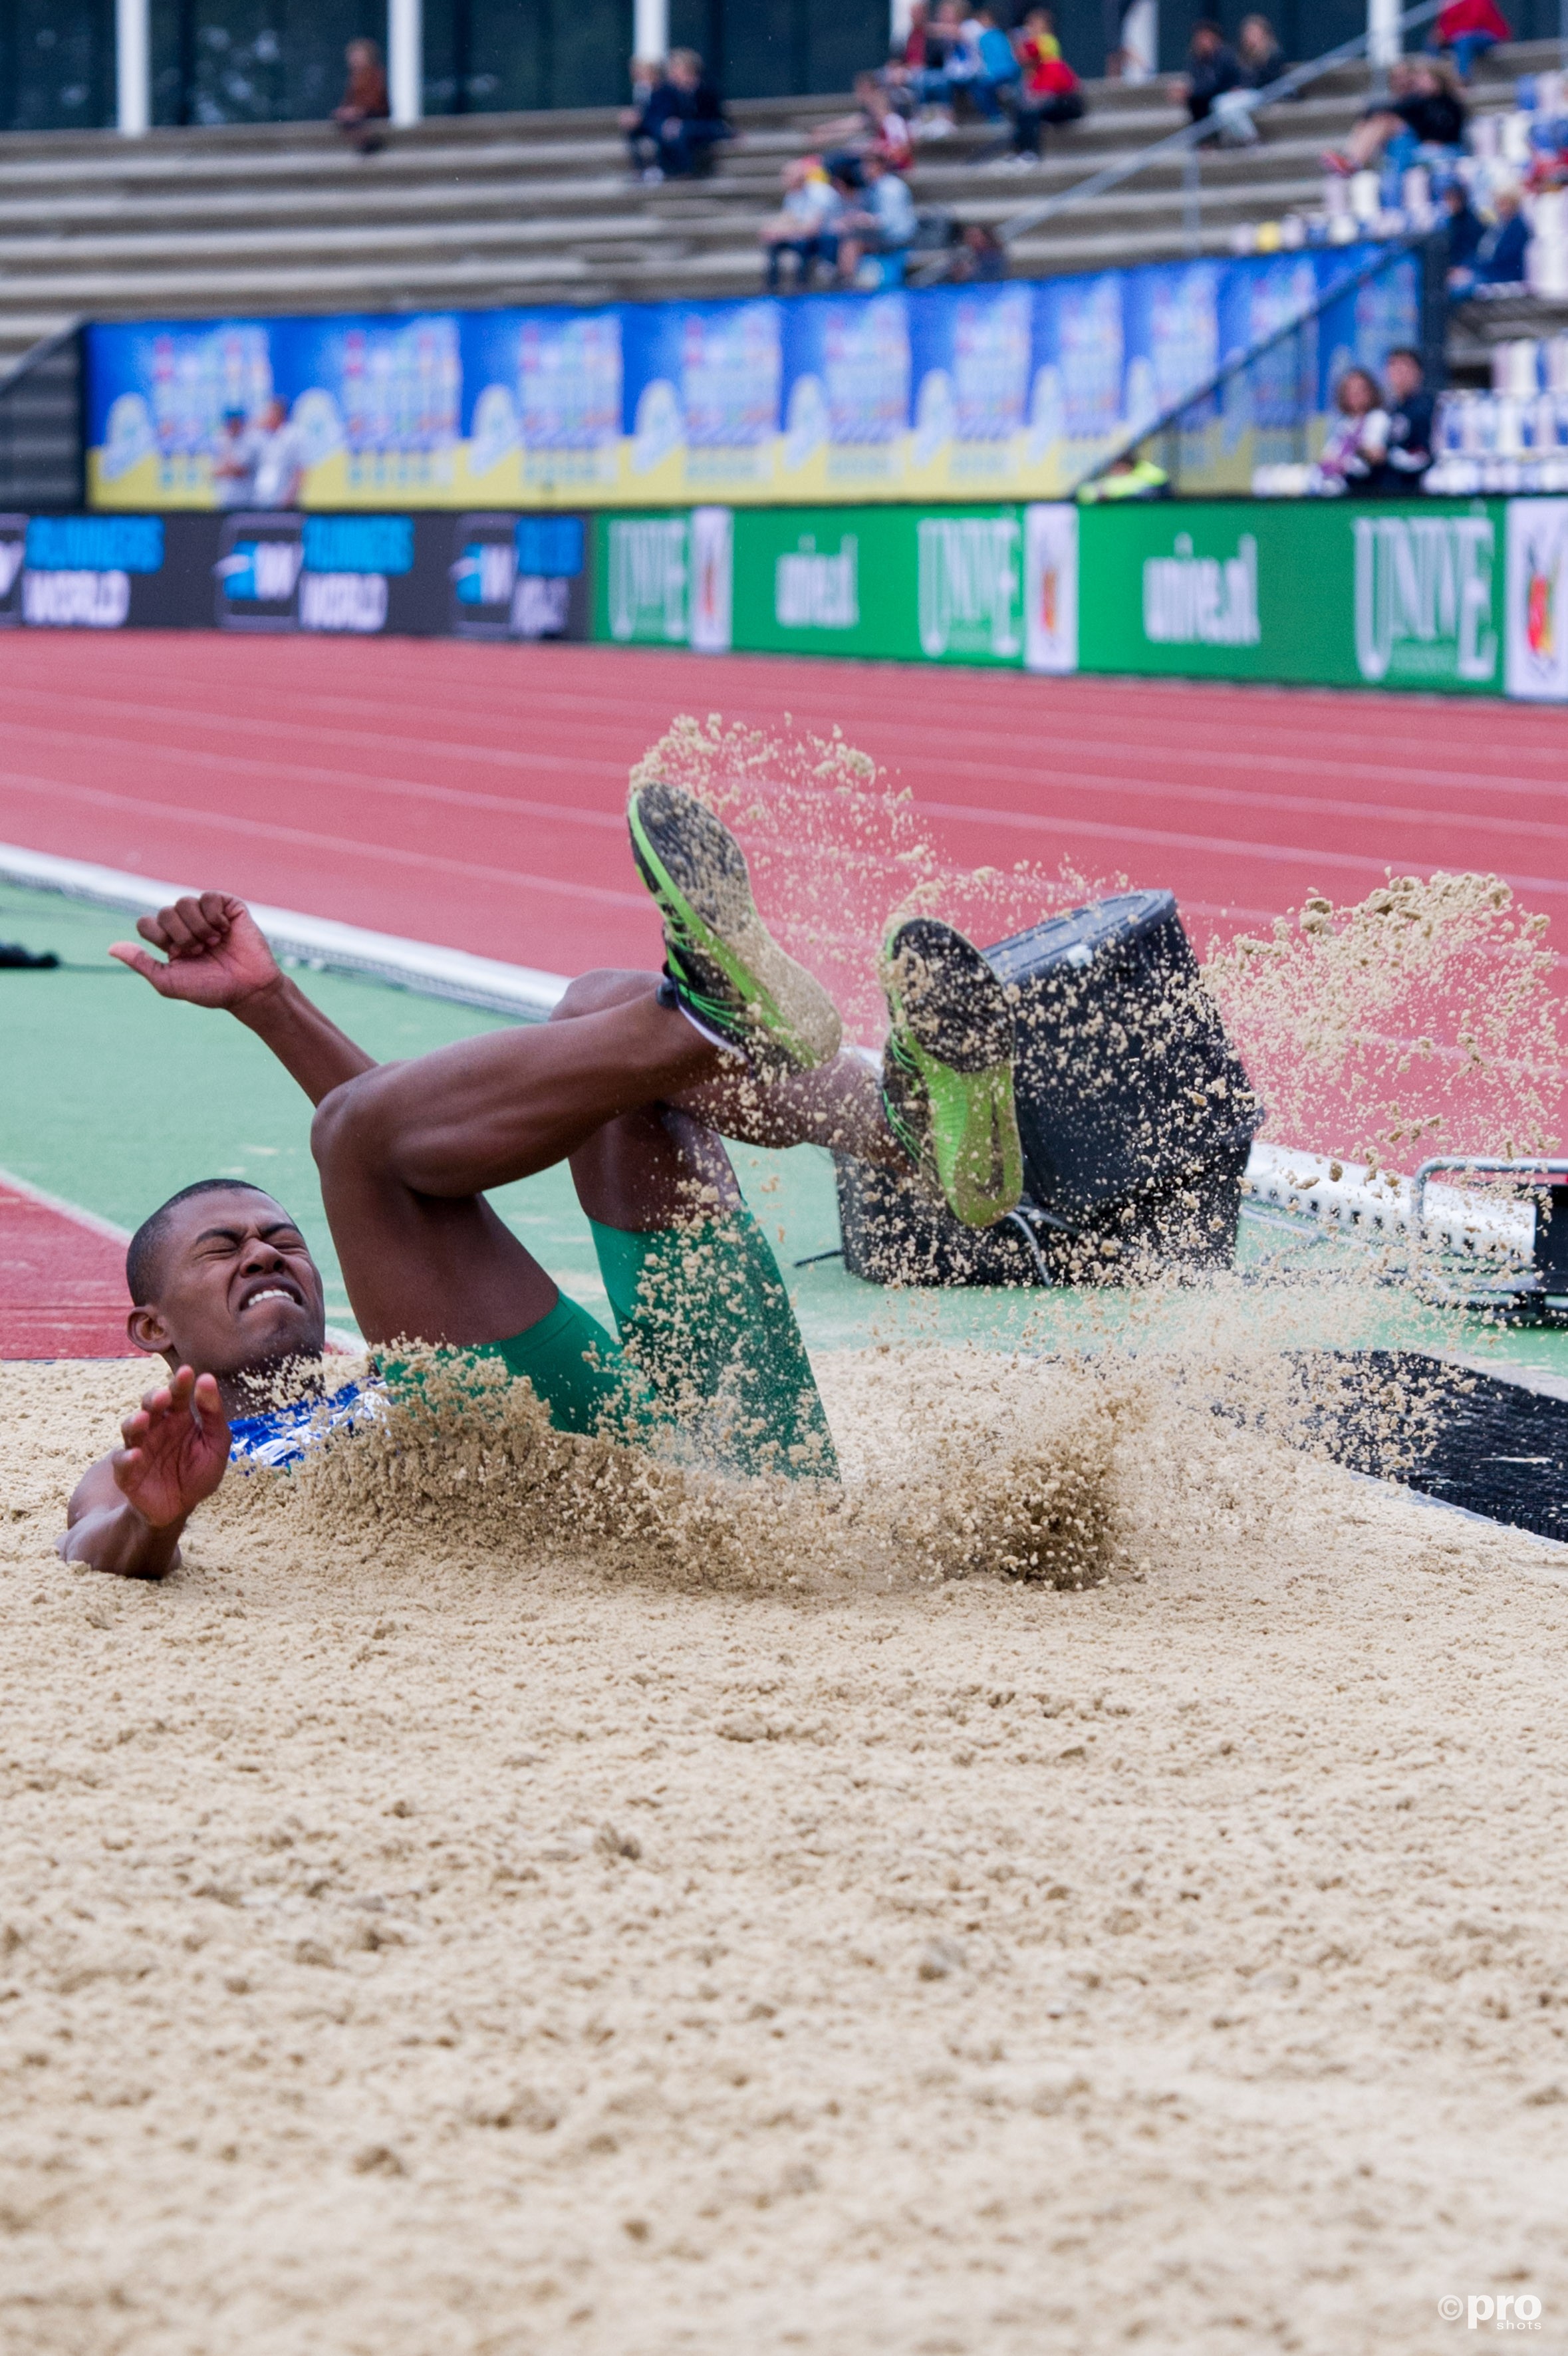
(634, 1080)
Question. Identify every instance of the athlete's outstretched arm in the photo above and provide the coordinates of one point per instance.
(129, 1509)
(216, 956)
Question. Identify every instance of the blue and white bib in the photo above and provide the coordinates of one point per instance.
(283, 1435)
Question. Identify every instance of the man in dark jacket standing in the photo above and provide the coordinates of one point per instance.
(1408, 407)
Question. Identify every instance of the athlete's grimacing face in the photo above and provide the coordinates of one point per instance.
(237, 1287)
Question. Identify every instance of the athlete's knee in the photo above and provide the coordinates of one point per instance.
(607, 985)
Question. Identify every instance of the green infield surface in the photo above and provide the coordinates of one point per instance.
(112, 1099)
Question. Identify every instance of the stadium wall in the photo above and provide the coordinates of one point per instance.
(1451, 596)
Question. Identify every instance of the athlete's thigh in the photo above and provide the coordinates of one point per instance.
(434, 1270)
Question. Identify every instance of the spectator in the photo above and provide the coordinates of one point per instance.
(1358, 441)
(365, 102)
(1468, 27)
(980, 257)
(950, 66)
(1132, 475)
(1050, 92)
(1466, 230)
(680, 128)
(645, 75)
(280, 458)
(1424, 111)
(234, 461)
(803, 227)
(1212, 69)
(1258, 51)
(1410, 412)
(875, 127)
(1549, 159)
(997, 79)
(1502, 253)
(881, 222)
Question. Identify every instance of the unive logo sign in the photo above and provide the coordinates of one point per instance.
(1423, 598)
(648, 578)
(814, 590)
(969, 587)
(1202, 601)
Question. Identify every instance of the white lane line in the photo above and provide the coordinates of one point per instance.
(12, 1185)
(319, 941)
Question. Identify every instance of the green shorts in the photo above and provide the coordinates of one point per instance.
(709, 1348)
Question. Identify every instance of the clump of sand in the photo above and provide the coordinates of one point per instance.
(441, 1928)
(957, 1465)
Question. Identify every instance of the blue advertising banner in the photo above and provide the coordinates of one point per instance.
(948, 393)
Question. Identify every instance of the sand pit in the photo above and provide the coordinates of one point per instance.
(489, 1950)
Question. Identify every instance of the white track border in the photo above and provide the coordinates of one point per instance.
(521, 991)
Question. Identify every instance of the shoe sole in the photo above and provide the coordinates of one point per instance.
(955, 1030)
(697, 872)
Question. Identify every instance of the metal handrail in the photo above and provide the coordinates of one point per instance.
(1388, 253)
(1533, 1171)
(1191, 136)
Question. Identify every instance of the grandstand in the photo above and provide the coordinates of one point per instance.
(507, 208)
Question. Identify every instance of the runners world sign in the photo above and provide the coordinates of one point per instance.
(1333, 592)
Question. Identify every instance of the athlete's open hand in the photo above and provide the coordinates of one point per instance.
(215, 952)
(176, 1451)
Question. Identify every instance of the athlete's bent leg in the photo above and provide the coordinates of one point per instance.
(406, 1151)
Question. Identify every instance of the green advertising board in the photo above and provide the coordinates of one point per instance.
(1331, 593)
(916, 585)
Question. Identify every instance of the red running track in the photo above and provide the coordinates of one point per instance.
(62, 1282)
(473, 795)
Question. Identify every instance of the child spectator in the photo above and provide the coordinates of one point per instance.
(803, 227)
(365, 102)
(1049, 91)
(998, 76)
(1468, 27)
(1358, 441)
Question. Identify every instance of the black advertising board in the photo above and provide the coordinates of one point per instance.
(428, 575)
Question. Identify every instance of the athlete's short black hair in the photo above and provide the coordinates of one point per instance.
(144, 1253)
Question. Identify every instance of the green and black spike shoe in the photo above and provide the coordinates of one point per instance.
(947, 1070)
(724, 965)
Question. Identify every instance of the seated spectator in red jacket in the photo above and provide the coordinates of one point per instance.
(1049, 91)
(365, 103)
(1468, 27)
(679, 129)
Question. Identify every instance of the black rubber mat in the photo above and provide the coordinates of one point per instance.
(1496, 1445)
